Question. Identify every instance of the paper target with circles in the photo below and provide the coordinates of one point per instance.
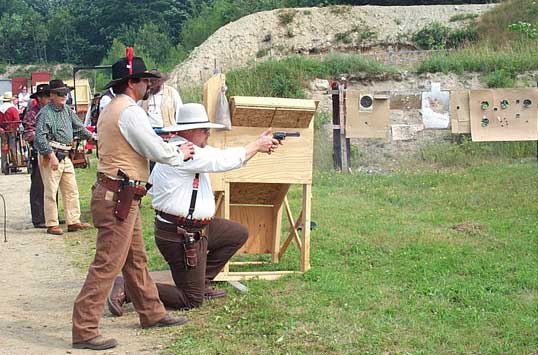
(504, 114)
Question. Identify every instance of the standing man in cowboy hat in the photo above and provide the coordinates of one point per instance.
(56, 125)
(194, 243)
(41, 95)
(126, 142)
(163, 102)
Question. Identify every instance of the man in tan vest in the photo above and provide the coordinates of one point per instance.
(163, 102)
(126, 142)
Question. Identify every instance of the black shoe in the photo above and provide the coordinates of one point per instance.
(40, 225)
(167, 321)
(97, 343)
(61, 221)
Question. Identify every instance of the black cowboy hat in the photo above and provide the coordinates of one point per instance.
(41, 89)
(57, 85)
(120, 71)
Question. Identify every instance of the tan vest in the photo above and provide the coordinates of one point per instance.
(114, 151)
(168, 109)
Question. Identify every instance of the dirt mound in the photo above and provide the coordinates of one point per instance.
(280, 33)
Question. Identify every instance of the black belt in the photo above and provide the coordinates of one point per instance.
(174, 233)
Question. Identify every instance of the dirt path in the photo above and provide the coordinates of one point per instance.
(39, 284)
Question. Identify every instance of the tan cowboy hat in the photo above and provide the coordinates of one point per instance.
(8, 96)
(191, 116)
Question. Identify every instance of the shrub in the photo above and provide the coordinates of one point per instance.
(432, 36)
(462, 17)
(461, 37)
(286, 17)
(343, 37)
(501, 78)
(262, 52)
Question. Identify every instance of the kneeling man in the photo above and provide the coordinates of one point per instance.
(194, 243)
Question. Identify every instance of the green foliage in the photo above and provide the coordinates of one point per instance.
(432, 36)
(339, 10)
(468, 153)
(286, 17)
(500, 78)
(343, 37)
(286, 78)
(462, 17)
(262, 52)
(526, 29)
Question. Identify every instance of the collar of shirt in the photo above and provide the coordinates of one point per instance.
(57, 108)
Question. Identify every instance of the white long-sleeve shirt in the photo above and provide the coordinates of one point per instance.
(138, 132)
(172, 186)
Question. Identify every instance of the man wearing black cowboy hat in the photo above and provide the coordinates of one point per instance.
(56, 125)
(41, 95)
(126, 142)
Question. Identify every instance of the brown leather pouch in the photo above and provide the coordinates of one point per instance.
(191, 259)
(125, 199)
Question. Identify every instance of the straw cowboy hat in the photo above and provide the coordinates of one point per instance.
(120, 71)
(8, 96)
(41, 89)
(191, 116)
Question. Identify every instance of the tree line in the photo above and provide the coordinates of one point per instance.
(92, 32)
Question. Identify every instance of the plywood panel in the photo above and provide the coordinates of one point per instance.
(515, 122)
(292, 118)
(83, 91)
(257, 194)
(252, 116)
(212, 89)
(459, 111)
(366, 124)
(260, 224)
(291, 163)
(272, 112)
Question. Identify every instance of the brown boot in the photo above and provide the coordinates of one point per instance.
(56, 230)
(77, 227)
(117, 297)
(97, 343)
(212, 293)
(167, 321)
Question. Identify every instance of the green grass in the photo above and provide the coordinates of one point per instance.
(287, 77)
(427, 261)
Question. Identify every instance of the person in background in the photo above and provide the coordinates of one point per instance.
(195, 244)
(9, 121)
(23, 98)
(56, 125)
(163, 102)
(36, 183)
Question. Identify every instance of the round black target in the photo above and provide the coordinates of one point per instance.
(366, 101)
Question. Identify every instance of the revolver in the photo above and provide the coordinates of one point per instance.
(281, 135)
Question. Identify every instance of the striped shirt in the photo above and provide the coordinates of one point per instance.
(58, 124)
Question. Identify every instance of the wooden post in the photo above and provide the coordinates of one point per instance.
(342, 112)
(307, 210)
(337, 162)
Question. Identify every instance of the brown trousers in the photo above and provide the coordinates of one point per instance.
(119, 247)
(224, 238)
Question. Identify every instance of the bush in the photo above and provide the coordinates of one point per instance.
(432, 36)
(286, 17)
(462, 17)
(501, 78)
(461, 37)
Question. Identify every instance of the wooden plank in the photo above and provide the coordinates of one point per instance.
(257, 193)
(260, 224)
(460, 118)
(406, 102)
(212, 89)
(307, 210)
(257, 101)
(291, 163)
(261, 275)
(292, 118)
(513, 123)
(252, 116)
(277, 226)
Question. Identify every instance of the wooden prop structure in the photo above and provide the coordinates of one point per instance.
(255, 195)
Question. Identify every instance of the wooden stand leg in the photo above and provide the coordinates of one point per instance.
(305, 233)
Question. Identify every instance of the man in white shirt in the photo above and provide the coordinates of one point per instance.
(194, 243)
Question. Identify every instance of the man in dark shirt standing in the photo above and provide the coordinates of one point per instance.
(36, 184)
(56, 125)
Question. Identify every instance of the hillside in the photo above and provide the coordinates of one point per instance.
(279, 33)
